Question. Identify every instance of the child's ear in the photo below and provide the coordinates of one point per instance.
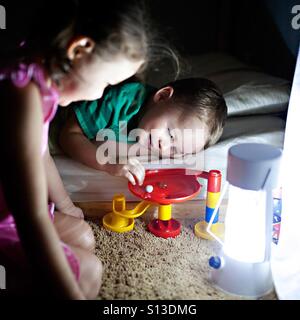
(163, 94)
(80, 47)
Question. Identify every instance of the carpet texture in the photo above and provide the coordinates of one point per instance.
(139, 265)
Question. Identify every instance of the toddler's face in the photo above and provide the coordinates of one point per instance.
(167, 130)
(91, 75)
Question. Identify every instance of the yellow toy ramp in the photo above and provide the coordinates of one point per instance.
(120, 219)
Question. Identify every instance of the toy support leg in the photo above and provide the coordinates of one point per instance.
(165, 212)
(212, 198)
(165, 226)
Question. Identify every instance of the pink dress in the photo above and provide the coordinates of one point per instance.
(10, 246)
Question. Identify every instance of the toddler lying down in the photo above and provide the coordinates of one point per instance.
(133, 119)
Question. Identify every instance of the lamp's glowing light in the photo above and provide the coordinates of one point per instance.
(245, 235)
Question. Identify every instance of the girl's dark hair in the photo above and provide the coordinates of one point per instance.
(116, 26)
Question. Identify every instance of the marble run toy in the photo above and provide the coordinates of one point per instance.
(162, 188)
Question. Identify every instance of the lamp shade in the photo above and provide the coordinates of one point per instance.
(253, 166)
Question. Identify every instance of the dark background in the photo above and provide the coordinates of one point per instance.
(249, 30)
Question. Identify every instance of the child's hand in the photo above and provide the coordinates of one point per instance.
(67, 207)
(132, 170)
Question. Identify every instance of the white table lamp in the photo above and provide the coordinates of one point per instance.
(243, 267)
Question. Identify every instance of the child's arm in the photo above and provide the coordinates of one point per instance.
(24, 184)
(74, 143)
(56, 190)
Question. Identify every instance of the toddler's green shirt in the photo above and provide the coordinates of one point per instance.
(120, 103)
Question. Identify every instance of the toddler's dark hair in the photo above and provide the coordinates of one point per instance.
(116, 26)
(203, 98)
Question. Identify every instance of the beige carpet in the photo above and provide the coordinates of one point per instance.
(139, 265)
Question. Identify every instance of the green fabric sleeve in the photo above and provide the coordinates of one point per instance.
(119, 103)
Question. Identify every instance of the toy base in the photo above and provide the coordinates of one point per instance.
(110, 222)
(217, 228)
(165, 229)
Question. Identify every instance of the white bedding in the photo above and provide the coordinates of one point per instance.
(253, 98)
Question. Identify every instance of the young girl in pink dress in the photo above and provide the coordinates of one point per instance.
(44, 242)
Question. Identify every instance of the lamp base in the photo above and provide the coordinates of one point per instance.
(252, 280)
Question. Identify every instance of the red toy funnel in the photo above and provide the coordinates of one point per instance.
(169, 186)
(164, 187)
